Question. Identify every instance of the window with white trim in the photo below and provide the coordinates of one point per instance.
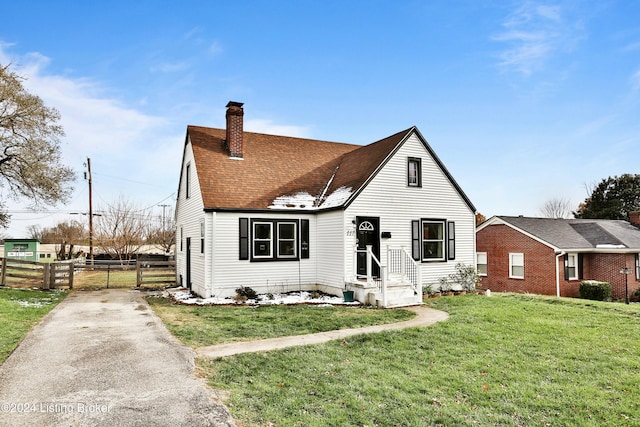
(187, 180)
(262, 239)
(516, 265)
(433, 240)
(275, 240)
(287, 240)
(572, 266)
(414, 172)
(481, 263)
(637, 266)
(201, 237)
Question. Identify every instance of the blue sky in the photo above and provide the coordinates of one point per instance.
(524, 101)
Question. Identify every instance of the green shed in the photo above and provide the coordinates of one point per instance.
(24, 249)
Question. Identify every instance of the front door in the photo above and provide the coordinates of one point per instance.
(368, 233)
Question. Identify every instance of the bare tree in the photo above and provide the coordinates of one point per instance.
(121, 229)
(164, 234)
(556, 208)
(65, 235)
(30, 155)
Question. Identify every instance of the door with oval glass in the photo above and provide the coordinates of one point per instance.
(368, 233)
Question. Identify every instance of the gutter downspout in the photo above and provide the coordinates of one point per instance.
(558, 273)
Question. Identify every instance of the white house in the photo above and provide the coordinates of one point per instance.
(276, 214)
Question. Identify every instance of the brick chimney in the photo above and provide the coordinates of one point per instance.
(234, 116)
(634, 218)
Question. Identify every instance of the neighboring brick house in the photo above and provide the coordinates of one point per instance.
(551, 256)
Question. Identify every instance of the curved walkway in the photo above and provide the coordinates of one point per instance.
(425, 317)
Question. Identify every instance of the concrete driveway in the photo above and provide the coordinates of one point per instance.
(103, 358)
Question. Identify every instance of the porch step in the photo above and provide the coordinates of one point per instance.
(400, 295)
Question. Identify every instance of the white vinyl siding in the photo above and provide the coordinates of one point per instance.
(230, 272)
(387, 196)
(189, 216)
(516, 265)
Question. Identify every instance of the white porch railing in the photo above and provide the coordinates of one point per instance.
(378, 282)
(401, 263)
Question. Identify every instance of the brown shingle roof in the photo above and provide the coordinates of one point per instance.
(272, 166)
(277, 169)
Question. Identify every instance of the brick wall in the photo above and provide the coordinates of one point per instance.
(606, 268)
(539, 268)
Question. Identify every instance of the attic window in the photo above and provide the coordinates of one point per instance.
(414, 172)
(187, 183)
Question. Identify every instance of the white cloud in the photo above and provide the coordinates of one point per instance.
(534, 33)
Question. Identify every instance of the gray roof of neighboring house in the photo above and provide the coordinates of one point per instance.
(579, 233)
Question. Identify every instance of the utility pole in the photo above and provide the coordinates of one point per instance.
(164, 223)
(87, 176)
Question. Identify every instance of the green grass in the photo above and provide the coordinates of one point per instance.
(101, 279)
(507, 360)
(199, 326)
(20, 310)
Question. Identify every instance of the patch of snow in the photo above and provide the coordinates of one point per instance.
(337, 198)
(302, 200)
(608, 246)
(292, 298)
(35, 304)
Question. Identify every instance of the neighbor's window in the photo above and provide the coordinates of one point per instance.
(482, 263)
(516, 266)
(637, 266)
(433, 240)
(414, 172)
(572, 267)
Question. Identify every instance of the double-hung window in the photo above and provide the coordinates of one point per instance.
(433, 240)
(262, 239)
(516, 266)
(287, 240)
(572, 267)
(637, 266)
(273, 239)
(187, 180)
(414, 172)
(481, 264)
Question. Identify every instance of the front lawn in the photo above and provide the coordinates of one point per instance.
(199, 326)
(507, 360)
(20, 310)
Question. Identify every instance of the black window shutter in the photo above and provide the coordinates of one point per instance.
(244, 238)
(304, 238)
(580, 264)
(415, 240)
(451, 240)
(566, 267)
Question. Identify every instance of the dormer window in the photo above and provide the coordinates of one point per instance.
(414, 172)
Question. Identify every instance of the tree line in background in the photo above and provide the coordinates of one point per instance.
(612, 198)
(120, 231)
